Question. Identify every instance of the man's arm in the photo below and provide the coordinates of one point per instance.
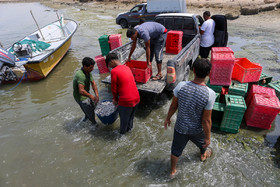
(172, 109)
(83, 92)
(148, 52)
(206, 125)
(94, 87)
(114, 88)
(132, 49)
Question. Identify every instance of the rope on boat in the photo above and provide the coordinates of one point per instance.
(18, 82)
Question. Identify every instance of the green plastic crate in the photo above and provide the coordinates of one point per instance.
(104, 44)
(217, 97)
(216, 88)
(217, 114)
(265, 77)
(237, 88)
(234, 112)
(276, 86)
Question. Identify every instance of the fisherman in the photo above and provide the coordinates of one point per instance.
(81, 87)
(207, 35)
(154, 36)
(194, 101)
(124, 90)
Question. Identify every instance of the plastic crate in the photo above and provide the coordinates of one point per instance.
(276, 86)
(140, 70)
(216, 88)
(217, 97)
(262, 111)
(246, 71)
(234, 112)
(223, 93)
(101, 64)
(104, 44)
(174, 42)
(115, 41)
(237, 88)
(222, 67)
(221, 50)
(256, 89)
(264, 79)
(217, 114)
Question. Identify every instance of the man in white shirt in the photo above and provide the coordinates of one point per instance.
(207, 35)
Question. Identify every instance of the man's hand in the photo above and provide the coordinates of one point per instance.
(149, 65)
(96, 99)
(167, 123)
(207, 143)
(115, 102)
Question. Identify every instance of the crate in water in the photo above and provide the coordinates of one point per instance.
(262, 111)
(222, 67)
(216, 88)
(217, 114)
(276, 86)
(246, 71)
(174, 42)
(106, 112)
(234, 112)
(104, 44)
(101, 64)
(140, 70)
(256, 89)
(237, 88)
(264, 79)
(115, 41)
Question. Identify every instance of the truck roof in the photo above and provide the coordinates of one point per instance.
(176, 14)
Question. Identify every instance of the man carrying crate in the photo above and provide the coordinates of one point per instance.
(124, 90)
(154, 36)
(194, 101)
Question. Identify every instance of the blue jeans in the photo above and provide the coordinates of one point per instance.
(88, 107)
(126, 117)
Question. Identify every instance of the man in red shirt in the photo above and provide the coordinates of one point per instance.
(124, 90)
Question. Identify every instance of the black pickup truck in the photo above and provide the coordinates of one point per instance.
(177, 63)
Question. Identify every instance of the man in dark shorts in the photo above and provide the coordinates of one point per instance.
(154, 36)
(81, 86)
(207, 35)
(124, 90)
(194, 101)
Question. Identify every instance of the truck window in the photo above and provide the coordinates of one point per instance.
(199, 20)
(136, 9)
(188, 24)
(168, 23)
(161, 21)
(178, 23)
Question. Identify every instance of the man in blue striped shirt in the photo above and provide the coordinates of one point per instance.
(194, 101)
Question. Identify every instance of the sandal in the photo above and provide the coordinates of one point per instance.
(157, 77)
(207, 155)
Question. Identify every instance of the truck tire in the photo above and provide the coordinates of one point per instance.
(123, 23)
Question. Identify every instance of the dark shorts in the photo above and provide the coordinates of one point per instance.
(180, 141)
(156, 47)
(88, 107)
(204, 51)
(126, 117)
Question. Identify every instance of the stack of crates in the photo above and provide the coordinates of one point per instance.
(237, 88)
(246, 71)
(174, 42)
(262, 111)
(233, 113)
(101, 64)
(115, 41)
(275, 85)
(222, 66)
(104, 44)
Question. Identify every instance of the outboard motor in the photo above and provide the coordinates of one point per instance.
(7, 60)
(22, 50)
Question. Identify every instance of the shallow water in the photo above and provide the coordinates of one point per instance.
(43, 141)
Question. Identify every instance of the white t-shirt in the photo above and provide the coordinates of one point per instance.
(207, 38)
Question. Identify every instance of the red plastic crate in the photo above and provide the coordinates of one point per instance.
(246, 71)
(174, 42)
(140, 70)
(101, 64)
(221, 50)
(262, 111)
(256, 89)
(222, 67)
(115, 41)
